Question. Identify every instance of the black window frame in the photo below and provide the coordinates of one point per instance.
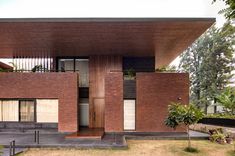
(35, 110)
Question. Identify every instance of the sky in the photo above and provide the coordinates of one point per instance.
(110, 8)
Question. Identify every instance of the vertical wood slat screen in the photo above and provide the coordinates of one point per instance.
(9, 110)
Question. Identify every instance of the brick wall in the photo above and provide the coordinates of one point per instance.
(62, 86)
(155, 91)
(114, 102)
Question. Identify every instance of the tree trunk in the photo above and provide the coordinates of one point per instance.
(215, 108)
(205, 110)
(189, 139)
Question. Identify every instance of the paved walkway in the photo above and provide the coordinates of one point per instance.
(6, 151)
(26, 140)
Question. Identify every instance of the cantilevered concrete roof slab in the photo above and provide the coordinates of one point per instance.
(164, 38)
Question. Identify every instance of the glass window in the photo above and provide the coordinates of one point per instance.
(66, 65)
(9, 110)
(27, 111)
(47, 110)
(82, 66)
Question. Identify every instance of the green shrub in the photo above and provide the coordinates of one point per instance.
(227, 100)
(220, 115)
(130, 73)
(218, 137)
(166, 69)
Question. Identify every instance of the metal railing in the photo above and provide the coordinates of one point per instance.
(36, 137)
(12, 148)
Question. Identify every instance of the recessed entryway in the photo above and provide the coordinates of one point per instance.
(84, 112)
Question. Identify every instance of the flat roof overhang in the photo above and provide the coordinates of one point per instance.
(164, 38)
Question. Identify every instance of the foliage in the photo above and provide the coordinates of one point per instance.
(209, 62)
(228, 12)
(220, 115)
(217, 137)
(182, 114)
(220, 136)
(179, 114)
(166, 69)
(38, 68)
(130, 73)
(227, 100)
(5, 70)
(1, 70)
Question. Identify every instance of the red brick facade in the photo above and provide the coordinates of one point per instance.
(62, 86)
(155, 91)
(114, 102)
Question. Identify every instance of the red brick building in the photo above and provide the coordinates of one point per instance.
(96, 73)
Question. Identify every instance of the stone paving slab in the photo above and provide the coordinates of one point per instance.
(6, 151)
(26, 140)
(58, 140)
(168, 136)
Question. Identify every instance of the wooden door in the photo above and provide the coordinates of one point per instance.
(98, 67)
(98, 117)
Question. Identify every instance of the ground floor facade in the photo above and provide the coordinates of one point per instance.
(106, 100)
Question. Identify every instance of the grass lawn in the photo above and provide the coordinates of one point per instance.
(1, 148)
(143, 147)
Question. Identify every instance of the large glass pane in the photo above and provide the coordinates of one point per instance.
(66, 65)
(27, 111)
(82, 66)
(9, 110)
(47, 110)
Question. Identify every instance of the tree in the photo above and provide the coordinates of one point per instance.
(227, 100)
(228, 12)
(209, 62)
(187, 115)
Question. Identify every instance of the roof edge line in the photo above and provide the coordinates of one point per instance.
(118, 19)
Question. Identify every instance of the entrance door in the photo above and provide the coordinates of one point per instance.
(98, 117)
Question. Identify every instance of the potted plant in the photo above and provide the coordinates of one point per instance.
(129, 74)
(166, 69)
(219, 138)
(229, 138)
(38, 68)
